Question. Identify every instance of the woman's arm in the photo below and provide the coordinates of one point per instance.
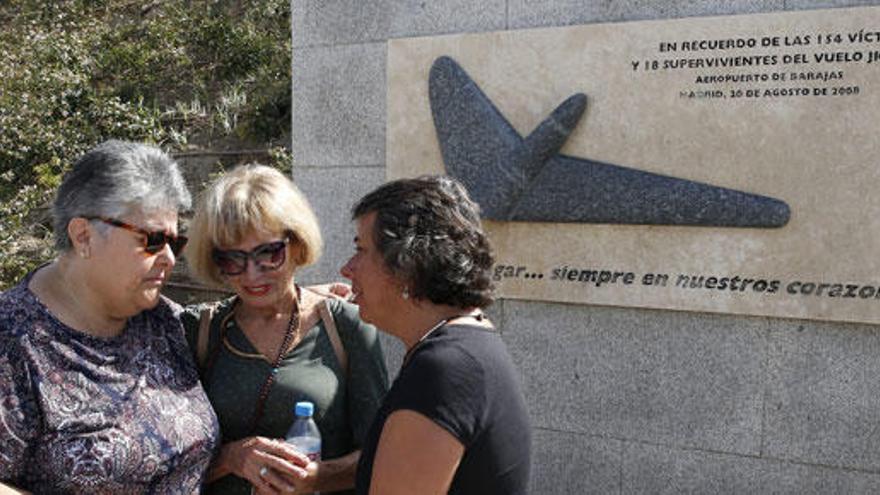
(340, 290)
(404, 464)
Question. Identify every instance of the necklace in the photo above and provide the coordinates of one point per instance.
(289, 334)
(288, 337)
(478, 315)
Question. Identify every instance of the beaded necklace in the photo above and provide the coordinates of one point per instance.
(270, 379)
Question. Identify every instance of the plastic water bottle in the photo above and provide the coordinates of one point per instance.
(303, 433)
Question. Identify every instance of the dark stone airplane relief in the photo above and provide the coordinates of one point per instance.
(528, 180)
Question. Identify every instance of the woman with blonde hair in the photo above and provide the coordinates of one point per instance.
(268, 347)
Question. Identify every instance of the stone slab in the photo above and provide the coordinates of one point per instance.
(565, 464)
(332, 193)
(823, 394)
(665, 377)
(807, 139)
(662, 470)
(826, 4)
(526, 14)
(339, 106)
(324, 22)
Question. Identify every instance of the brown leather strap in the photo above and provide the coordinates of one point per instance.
(205, 317)
(333, 334)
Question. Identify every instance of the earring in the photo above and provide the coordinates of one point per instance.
(85, 253)
(405, 293)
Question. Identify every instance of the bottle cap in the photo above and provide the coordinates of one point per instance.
(304, 408)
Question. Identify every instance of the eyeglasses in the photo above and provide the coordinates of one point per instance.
(153, 241)
(266, 257)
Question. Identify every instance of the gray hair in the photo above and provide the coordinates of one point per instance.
(114, 179)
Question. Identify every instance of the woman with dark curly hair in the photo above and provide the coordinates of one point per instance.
(455, 419)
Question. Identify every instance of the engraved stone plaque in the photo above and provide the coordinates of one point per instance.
(725, 164)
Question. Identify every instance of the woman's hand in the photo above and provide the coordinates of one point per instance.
(308, 483)
(335, 289)
(271, 466)
(330, 475)
(286, 469)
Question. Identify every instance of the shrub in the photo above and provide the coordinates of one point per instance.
(174, 73)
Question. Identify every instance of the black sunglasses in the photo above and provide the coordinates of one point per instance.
(153, 241)
(266, 257)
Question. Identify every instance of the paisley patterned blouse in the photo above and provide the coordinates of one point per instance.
(80, 414)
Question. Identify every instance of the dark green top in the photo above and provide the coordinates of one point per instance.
(344, 408)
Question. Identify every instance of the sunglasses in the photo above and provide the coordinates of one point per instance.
(153, 241)
(266, 257)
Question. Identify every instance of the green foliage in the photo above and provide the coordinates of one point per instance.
(174, 72)
(25, 239)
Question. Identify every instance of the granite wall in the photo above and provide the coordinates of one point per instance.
(623, 400)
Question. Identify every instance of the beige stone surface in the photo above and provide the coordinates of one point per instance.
(820, 154)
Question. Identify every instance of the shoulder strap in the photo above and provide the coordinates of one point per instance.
(205, 317)
(333, 334)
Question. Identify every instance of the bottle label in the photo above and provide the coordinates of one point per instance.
(309, 446)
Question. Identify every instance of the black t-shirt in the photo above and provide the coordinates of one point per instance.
(462, 378)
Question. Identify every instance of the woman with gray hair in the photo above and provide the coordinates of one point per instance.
(455, 419)
(98, 391)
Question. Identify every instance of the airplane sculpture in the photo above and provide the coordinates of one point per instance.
(527, 180)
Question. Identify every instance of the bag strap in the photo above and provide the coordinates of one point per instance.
(205, 317)
(333, 334)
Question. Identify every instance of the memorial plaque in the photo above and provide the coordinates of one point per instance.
(723, 164)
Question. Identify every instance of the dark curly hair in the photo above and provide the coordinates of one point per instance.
(429, 234)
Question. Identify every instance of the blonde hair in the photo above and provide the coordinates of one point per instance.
(247, 199)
